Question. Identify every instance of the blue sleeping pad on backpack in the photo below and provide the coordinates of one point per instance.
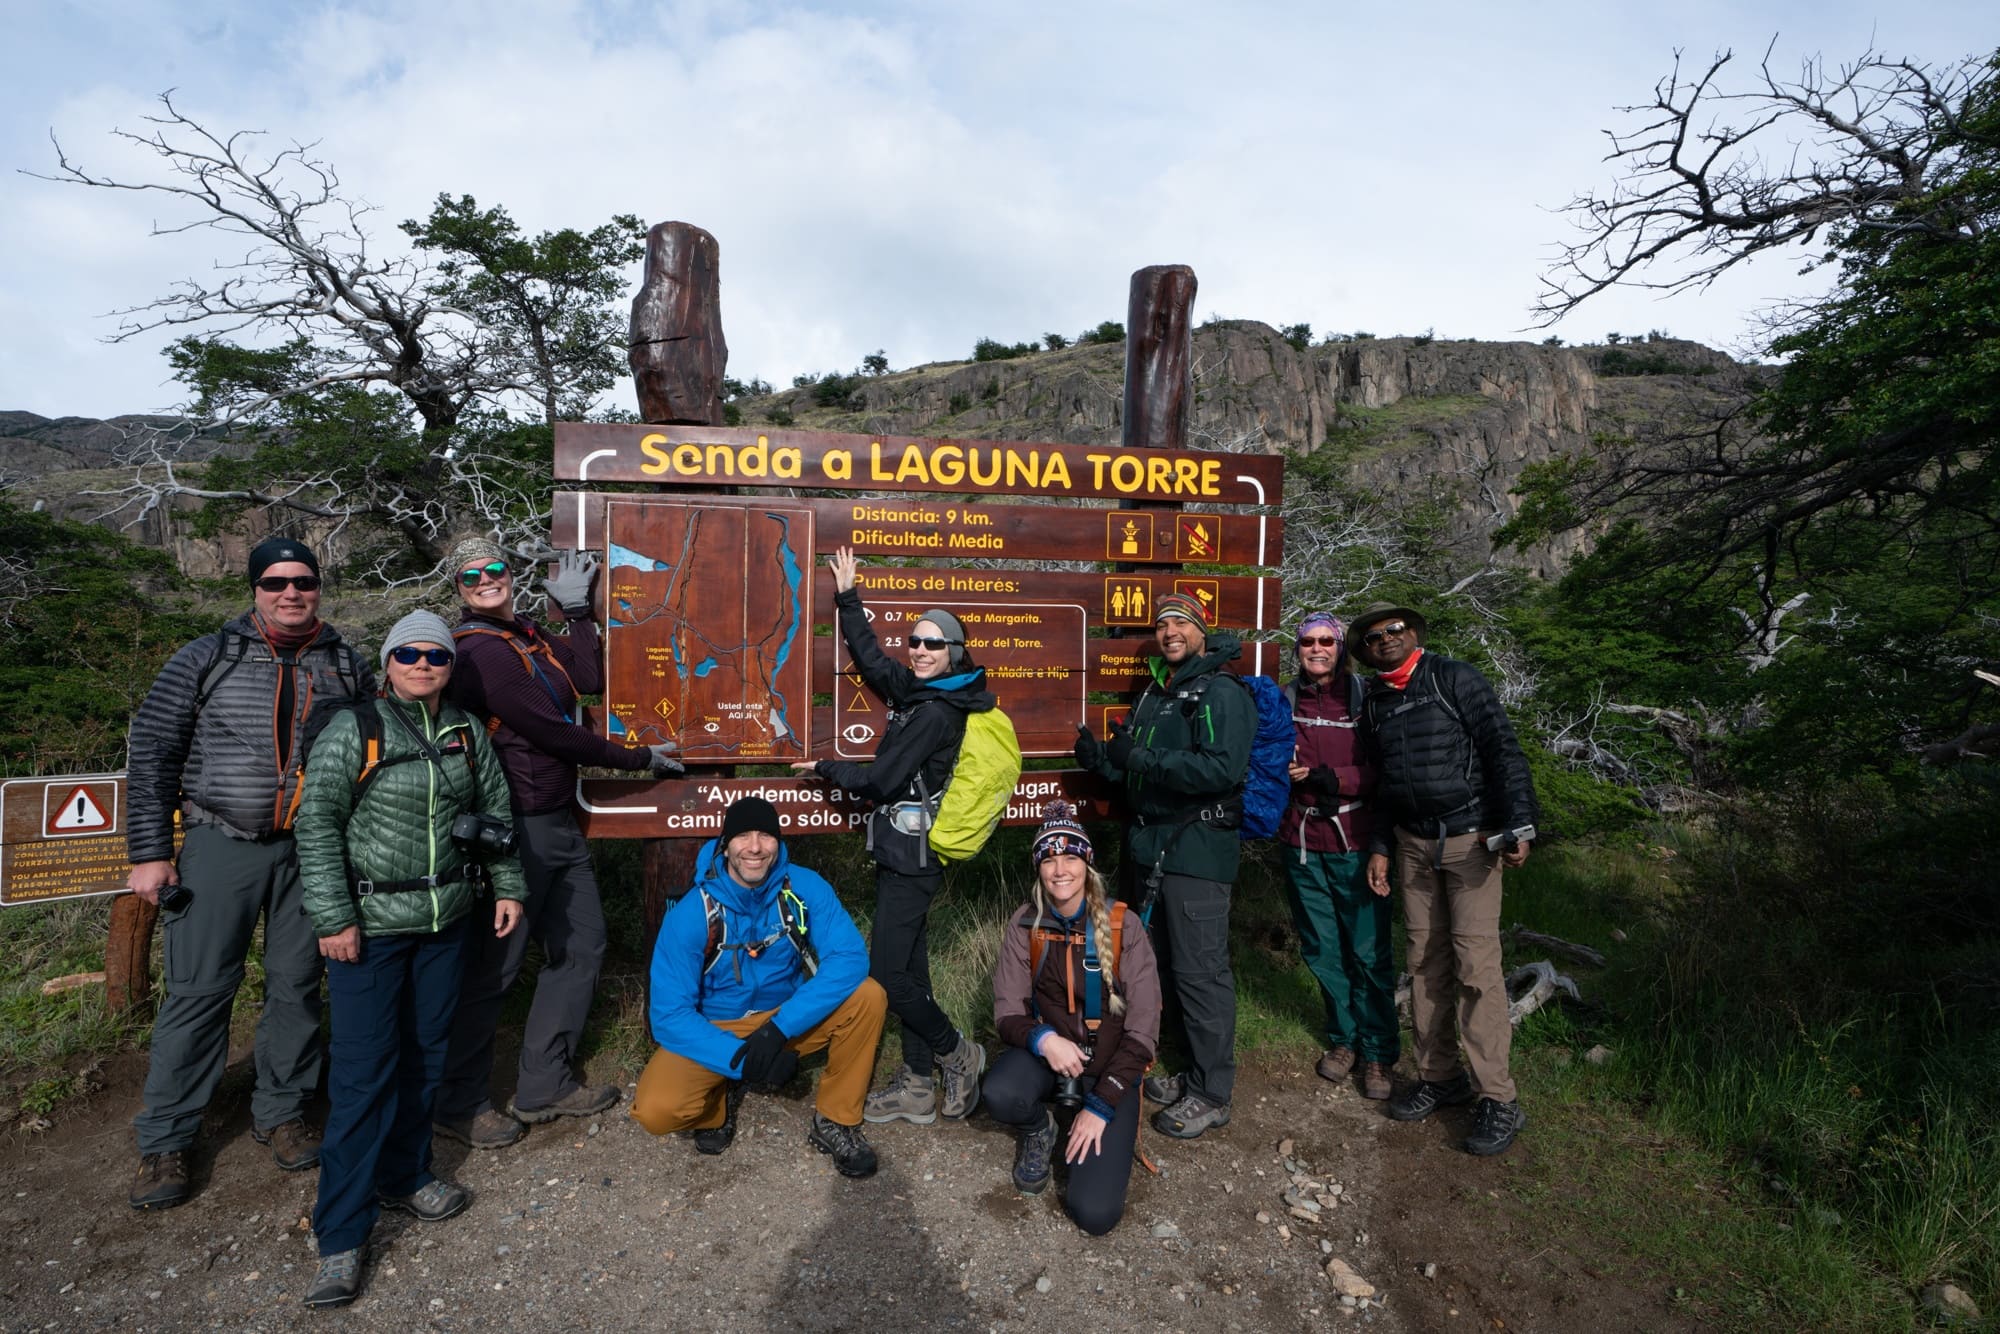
(1267, 787)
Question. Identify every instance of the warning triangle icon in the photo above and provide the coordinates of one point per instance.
(79, 813)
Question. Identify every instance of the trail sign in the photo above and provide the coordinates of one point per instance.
(62, 838)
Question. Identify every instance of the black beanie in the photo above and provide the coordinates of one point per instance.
(749, 814)
(276, 551)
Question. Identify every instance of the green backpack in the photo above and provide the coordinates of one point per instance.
(983, 779)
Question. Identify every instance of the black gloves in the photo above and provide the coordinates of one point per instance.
(764, 1058)
(1323, 783)
(1119, 749)
(1089, 753)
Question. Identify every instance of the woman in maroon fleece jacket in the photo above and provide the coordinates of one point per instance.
(1079, 1035)
(524, 682)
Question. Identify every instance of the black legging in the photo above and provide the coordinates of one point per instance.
(899, 957)
(1015, 1090)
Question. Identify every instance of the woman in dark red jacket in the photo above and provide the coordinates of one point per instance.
(1076, 997)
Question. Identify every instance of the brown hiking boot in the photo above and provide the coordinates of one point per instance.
(1375, 1082)
(294, 1145)
(1335, 1065)
(162, 1181)
(490, 1129)
(583, 1100)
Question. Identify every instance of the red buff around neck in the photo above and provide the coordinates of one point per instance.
(279, 638)
(1400, 678)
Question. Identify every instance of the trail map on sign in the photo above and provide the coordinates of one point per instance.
(710, 625)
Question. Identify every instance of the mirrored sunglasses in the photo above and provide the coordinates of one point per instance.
(278, 583)
(495, 570)
(409, 657)
(925, 641)
(1383, 632)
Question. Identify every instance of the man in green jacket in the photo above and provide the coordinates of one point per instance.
(1180, 758)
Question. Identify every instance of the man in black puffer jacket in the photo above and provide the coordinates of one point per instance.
(221, 738)
(1452, 778)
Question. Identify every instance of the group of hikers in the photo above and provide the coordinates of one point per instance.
(406, 838)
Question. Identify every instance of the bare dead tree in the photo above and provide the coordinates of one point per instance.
(1714, 175)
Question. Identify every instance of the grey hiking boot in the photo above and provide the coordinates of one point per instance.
(1190, 1117)
(1494, 1126)
(490, 1129)
(908, 1097)
(1164, 1088)
(294, 1145)
(338, 1281)
(433, 1202)
(1032, 1155)
(583, 1100)
(960, 1070)
(1427, 1095)
(715, 1139)
(847, 1145)
(162, 1181)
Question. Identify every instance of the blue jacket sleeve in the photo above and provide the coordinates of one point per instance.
(677, 1021)
(843, 957)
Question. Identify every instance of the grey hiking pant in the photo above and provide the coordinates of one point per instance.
(1195, 978)
(204, 945)
(566, 914)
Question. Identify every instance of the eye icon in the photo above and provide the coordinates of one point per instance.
(711, 727)
(859, 734)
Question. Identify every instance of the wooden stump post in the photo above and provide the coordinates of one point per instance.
(678, 356)
(1159, 357)
(128, 952)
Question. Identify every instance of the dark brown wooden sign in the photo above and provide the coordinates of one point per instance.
(62, 838)
(712, 456)
(874, 527)
(1238, 602)
(1113, 665)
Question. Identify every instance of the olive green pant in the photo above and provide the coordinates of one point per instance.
(1344, 936)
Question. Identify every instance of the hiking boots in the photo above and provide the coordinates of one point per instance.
(1335, 1065)
(717, 1138)
(1426, 1096)
(959, 1071)
(583, 1100)
(1164, 1088)
(1033, 1154)
(847, 1145)
(490, 1129)
(294, 1145)
(1190, 1117)
(162, 1181)
(338, 1281)
(908, 1097)
(1375, 1082)
(433, 1202)
(1494, 1126)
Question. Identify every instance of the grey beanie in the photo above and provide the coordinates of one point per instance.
(953, 630)
(419, 627)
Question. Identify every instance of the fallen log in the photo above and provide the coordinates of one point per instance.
(1532, 986)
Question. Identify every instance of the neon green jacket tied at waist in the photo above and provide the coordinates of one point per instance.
(1191, 748)
(401, 829)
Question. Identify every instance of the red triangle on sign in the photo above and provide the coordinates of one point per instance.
(79, 813)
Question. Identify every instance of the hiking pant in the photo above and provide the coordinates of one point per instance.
(1018, 1087)
(233, 880)
(899, 958)
(565, 914)
(392, 1012)
(1452, 914)
(678, 1094)
(1193, 914)
(1344, 936)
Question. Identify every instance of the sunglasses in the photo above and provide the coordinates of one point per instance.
(1393, 629)
(496, 571)
(1318, 641)
(278, 583)
(410, 657)
(925, 641)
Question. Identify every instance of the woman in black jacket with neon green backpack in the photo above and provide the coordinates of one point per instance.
(390, 886)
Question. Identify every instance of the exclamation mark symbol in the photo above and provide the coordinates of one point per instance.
(80, 799)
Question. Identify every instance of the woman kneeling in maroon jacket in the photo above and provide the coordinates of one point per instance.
(1076, 997)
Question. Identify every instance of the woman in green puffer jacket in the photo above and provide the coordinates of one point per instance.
(391, 893)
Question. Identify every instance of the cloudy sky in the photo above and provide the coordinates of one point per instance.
(904, 176)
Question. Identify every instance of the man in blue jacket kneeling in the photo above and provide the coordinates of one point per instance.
(757, 965)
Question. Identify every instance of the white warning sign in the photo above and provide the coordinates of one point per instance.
(80, 812)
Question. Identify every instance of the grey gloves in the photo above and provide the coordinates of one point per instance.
(569, 586)
(662, 763)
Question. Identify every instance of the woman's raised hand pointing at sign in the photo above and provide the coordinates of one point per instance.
(843, 564)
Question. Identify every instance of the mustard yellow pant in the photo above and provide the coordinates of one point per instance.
(677, 1094)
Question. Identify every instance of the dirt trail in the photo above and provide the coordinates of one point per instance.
(598, 1225)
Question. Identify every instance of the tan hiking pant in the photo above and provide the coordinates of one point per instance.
(1452, 912)
(677, 1094)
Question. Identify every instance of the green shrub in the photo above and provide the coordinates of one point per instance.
(778, 415)
(1111, 331)
(958, 403)
(986, 349)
